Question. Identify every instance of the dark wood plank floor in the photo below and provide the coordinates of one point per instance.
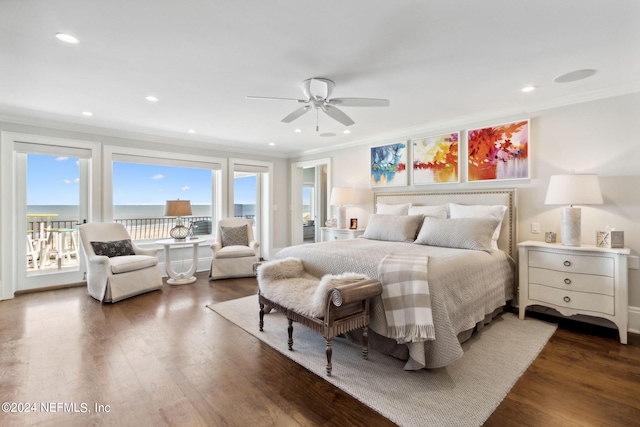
(163, 358)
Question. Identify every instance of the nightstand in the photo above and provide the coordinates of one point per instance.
(575, 280)
(339, 233)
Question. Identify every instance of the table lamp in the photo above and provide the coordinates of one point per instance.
(341, 196)
(178, 208)
(576, 189)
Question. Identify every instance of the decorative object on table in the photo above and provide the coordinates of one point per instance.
(610, 238)
(389, 165)
(436, 159)
(331, 222)
(550, 237)
(178, 208)
(575, 189)
(498, 152)
(353, 225)
(341, 196)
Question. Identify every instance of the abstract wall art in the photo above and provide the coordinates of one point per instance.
(498, 152)
(435, 159)
(389, 165)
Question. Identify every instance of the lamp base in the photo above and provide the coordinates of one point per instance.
(570, 226)
(342, 217)
(179, 232)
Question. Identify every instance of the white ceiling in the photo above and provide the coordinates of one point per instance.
(439, 62)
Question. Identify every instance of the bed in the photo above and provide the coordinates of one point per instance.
(467, 286)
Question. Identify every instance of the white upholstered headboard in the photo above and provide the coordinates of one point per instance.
(507, 197)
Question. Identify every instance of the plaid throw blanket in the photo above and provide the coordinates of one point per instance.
(405, 297)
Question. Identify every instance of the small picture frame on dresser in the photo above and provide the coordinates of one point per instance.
(550, 237)
(353, 225)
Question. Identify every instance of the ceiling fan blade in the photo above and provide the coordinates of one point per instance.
(297, 113)
(359, 102)
(337, 114)
(301, 101)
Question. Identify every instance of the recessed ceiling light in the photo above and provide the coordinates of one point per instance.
(346, 131)
(574, 75)
(151, 98)
(67, 38)
(191, 131)
(528, 88)
(87, 113)
(272, 144)
(298, 130)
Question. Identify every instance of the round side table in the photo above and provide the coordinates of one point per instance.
(180, 278)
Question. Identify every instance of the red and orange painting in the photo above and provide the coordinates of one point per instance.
(498, 152)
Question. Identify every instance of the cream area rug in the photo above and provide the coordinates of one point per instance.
(463, 393)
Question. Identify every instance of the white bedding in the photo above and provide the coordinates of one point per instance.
(465, 286)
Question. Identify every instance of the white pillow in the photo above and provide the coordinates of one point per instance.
(392, 228)
(463, 233)
(440, 211)
(384, 209)
(480, 211)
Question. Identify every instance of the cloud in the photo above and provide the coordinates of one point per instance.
(158, 176)
(186, 188)
(61, 159)
(77, 180)
(66, 181)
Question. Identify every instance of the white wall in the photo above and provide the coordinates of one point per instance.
(596, 137)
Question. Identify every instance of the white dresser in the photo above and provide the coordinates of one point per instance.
(339, 233)
(575, 280)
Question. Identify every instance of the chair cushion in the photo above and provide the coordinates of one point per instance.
(113, 249)
(123, 264)
(235, 252)
(234, 236)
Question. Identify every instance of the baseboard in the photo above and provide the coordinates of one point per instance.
(634, 320)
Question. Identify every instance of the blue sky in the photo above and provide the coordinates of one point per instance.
(53, 180)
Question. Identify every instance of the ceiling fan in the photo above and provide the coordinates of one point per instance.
(317, 92)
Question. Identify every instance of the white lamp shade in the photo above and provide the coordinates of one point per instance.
(577, 189)
(342, 196)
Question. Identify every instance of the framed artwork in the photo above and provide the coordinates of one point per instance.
(436, 159)
(353, 225)
(498, 152)
(389, 165)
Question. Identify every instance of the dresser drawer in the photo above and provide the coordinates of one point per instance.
(570, 299)
(585, 264)
(572, 281)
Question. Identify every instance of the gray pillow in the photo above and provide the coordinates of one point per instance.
(463, 233)
(114, 248)
(392, 228)
(234, 236)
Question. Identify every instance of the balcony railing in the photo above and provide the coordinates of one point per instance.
(138, 228)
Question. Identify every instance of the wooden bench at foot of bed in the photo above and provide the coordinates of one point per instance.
(347, 309)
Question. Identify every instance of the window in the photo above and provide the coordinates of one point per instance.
(141, 189)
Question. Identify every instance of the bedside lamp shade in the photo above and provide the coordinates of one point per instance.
(178, 209)
(576, 189)
(341, 196)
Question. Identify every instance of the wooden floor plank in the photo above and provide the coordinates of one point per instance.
(163, 358)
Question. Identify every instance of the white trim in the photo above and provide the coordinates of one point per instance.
(266, 202)
(634, 320)
(9, 265)
(297, 181)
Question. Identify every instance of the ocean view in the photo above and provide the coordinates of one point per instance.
(70, 213)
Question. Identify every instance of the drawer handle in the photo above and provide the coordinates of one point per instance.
(566, 299)
(567, 281)
(567, 263)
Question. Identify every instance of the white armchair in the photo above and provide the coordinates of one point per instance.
(235, 249)
(119, 269)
